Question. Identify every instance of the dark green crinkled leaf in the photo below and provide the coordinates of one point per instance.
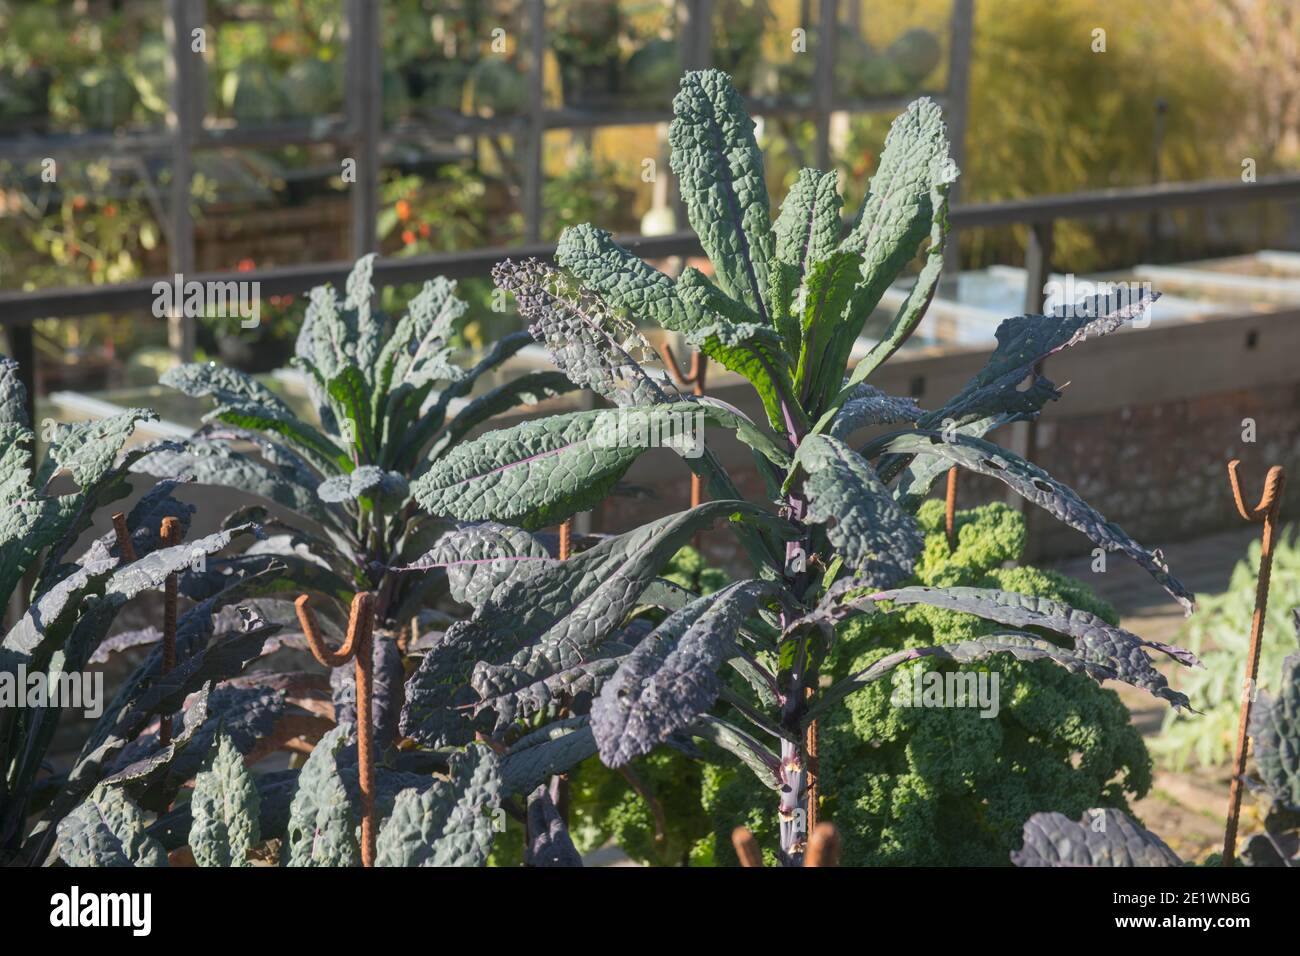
(1019, 644)
(623, 279)
(449, 824)
(876, 538)
(720, 172)
(320, 829)
(148, 692)
(671, 677)
(555, 748)
(549, 841)
(754, 755)
(349, 393)
(13, 394)
(480, 557)
(596, 347)
(545, 622)
(1275, 728)
(215, 463)
(224, 808)
(331, 337)
(905, 195)
(1103, 837)
(321, 451)
(1026, 340)
(208, 379)
(48, 623)
(360, 290)
(867, 405)
(275, 792)
(88, 450)
(247, 710)
(913, 308)
(921, 471)
(737, 339)
(593, 594)
(32, 521)
(107, 830)
(1095, 639)
(420, 334)
(515, 695)
(808, 228)
(829, 321)
(534, 474)
(1032, 483)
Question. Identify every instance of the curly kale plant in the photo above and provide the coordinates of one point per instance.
(891, 779)
(837, 537)
(385, 394)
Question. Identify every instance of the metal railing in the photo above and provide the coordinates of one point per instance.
(1040, 212)
(19, 309)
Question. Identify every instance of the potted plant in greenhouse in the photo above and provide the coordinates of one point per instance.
(833, 539)
(585, 37)
(739, 28)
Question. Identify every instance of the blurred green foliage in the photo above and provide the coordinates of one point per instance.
(1219, 634)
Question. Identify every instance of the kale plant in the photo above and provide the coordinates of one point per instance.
(1112, 838)
(1275, 733)
(1217, 636)
(73, 603)
(897, 788)
(557, 640)
(429, 821)
(383, 392)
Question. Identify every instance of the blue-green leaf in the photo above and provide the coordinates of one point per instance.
(720, 172)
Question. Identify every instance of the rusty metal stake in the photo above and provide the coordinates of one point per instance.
(1267, 512)
(125, 546)
(566, 539)
(811, 740)
(695, 381)
(950, 509)
(746, 847)
(357, 648)
(170, 532)
(823, 846)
